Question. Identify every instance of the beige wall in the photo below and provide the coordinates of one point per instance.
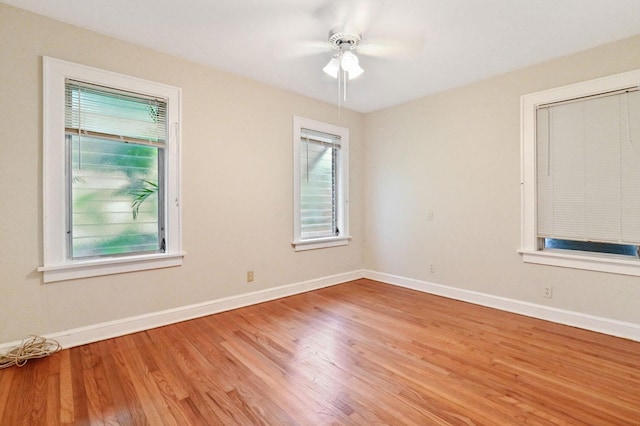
(237, 185)
(457, 154)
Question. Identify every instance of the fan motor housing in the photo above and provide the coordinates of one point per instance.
(341, 40)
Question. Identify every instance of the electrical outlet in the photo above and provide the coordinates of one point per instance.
(249, 276)
(548, 292)
(432, 268)
(430, 217)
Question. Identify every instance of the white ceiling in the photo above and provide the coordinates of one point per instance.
(436, 44)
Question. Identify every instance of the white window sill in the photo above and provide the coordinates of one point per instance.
(301, 245)
(611, 263)
(98, 267)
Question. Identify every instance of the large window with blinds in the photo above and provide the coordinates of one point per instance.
(588, 173)
(116, 147)
(111, 197)
(581, 169)
(320, 184)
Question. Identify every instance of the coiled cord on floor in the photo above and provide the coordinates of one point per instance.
(31, 348)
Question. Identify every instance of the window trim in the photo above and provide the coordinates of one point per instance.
(529, 245)
(342, 176)
(58, 265)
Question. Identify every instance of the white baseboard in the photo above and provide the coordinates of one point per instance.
(93, 333)
(106, 330)
(576, 319)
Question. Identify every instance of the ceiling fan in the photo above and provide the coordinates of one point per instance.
(348, 20)
(344, 43)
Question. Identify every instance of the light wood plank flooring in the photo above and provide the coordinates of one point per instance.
(360, 353)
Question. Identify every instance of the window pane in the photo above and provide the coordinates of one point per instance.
(590, 246)
(107, 178)
(318, 190)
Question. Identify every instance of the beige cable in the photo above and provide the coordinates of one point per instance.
(34, 347)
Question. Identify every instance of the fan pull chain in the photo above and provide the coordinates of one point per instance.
(344, 81)
(339, 94)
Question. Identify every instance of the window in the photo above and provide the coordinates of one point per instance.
(111, 176)
(581, 168)
(321, 158)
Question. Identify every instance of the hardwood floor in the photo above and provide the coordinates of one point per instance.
(359, 353)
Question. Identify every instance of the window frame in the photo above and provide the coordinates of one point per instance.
(342, 185)
(58, 264)
(529, 249)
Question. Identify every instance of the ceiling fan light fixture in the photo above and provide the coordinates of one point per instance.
(355, 72)
(349, 60)
(333, 67)
(351, 64)
(344, 60)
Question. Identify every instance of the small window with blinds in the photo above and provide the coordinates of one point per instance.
(115, 142)
(111, 181)
(320, 197)
(581, 175)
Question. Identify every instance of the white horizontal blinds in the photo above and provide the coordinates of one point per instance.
(318, 197)
(115, 152)
(588, 169)
(630, 161)
(99, 111)
(545, 211)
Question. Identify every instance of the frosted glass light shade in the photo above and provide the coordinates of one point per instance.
(332, 67)
(355, 71)
(350, 64)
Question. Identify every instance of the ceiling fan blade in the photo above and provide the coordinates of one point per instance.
(308, 48)
(352, 16)
(403, 48)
